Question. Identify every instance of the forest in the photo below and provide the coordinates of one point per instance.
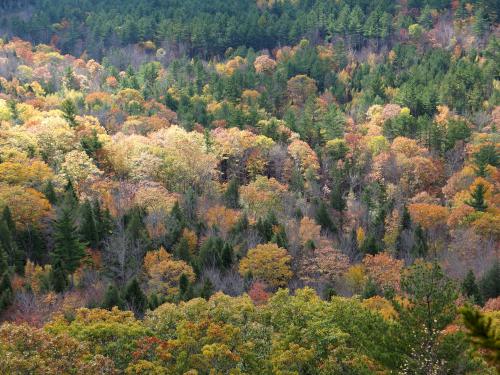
(281, 187)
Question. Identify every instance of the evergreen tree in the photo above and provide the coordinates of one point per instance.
(404, 228)
(154, 301)
(112, 298)
(7, 218)
(487, 155)
(175, 224)
(420, 247)
(88, 226)
(490, 282)
(91, 144)
(184, 288)
(370, 289)
(265, 226)
(135, 297)
(5, 285)
(70, 197)
(58, 276)
(370, 245)
(14, 112)
(470, 288)
(429, 309)
(207, 289)
(50, 192)
(323, 218)
(68, 249)
(69, 110)
(232, 195)
(477, 200)
(481, 22)
(337, 200)
(103, 219)
(8, 242)
(227, 256)
(182, 250)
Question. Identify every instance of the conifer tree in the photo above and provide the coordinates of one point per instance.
(477, 200)
(135, 297)
(470, 288)
(69, 111)
(323, 218)
(420, 247)
(184, 288)
(207, 289)
(88, 225)
(490, 282)
(227, 256)
(5, 285)
(68, 249)
(112, 298)
(182, 250)
(58, 276)
(231, 195)
(50, 192)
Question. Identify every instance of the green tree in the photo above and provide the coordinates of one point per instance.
(470, 288)
(182, 250)
(323, 218)
(112, 298)
(69, 110)
(490, 282)
(420, 247)
(207, 289)
(135, 297)
(68, 249)
(429, 308)
(58, 276)
(5, 285)
(477, 200)
(88, 226)
(487, 155)
(231, 195)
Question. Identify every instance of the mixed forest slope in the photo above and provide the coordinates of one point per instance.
(241, 187)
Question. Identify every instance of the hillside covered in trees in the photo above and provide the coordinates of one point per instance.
(303, 187)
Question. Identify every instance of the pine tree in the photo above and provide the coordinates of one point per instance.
(5, 285)
(135, 297)
(154, 301)
(50, 193)
(69, 112)
(470, 288)
(420, 247)
(14, 112)
(58, 276)
(112, 298)
(70, 197)
(481, 22)
(232, 195)
(227, 256)
(337, 201)
(88, 226)
(184, 288)
(207, 289)
(404, 226)
(323, 218)
(477, 200)
(370, 289)
(7, 217)
(68, 249)
(103, 221)
(182, 250)
(490, 282)
(370, 245)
